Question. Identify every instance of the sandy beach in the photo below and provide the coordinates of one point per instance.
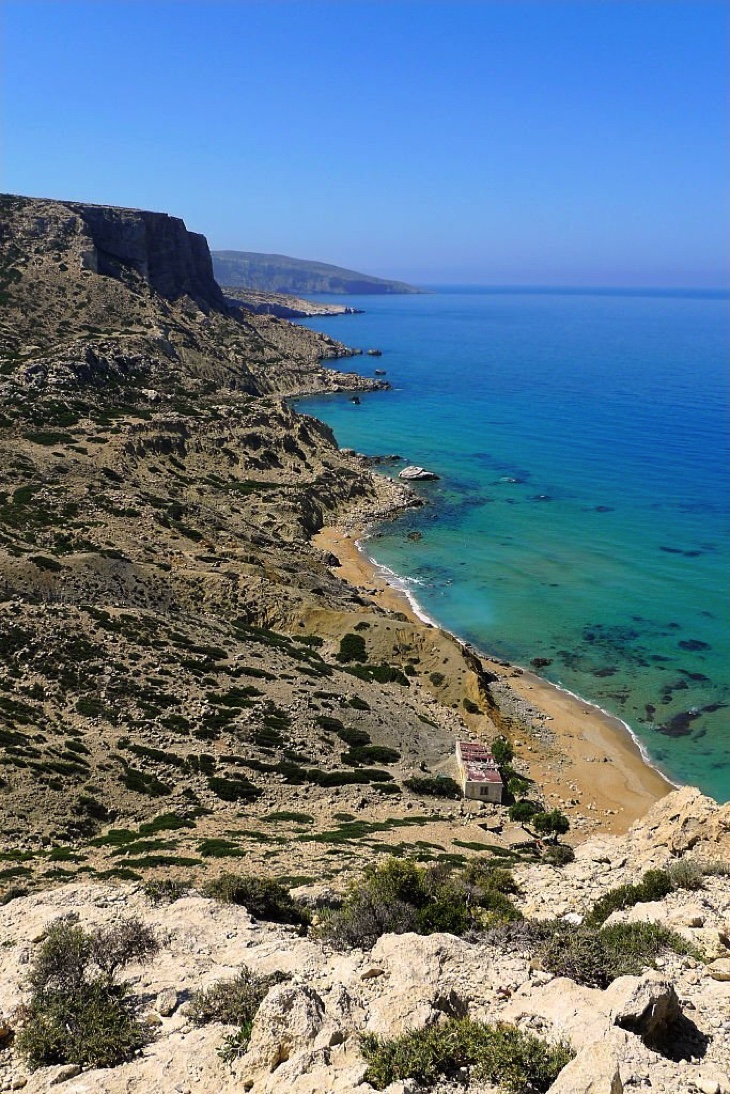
(585, 761)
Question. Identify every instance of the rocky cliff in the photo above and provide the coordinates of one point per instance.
(157, 247)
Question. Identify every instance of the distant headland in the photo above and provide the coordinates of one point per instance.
(281, 274)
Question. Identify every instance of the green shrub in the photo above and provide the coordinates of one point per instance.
(553, 823)
(352, 648)
(263, 898)
(654, 885)
(502, 750)
(596, 958)
(290, 817)
(144, 783)
(165, 890)
(490, 876)
(233, 1002)
(233, 790)
(95, 1026)
(522, 812)
(716, 868)
(434, 788)
(43, 563)
(559, 854)
(370, 754)
(518, 787)
(437, 679)
(686, 873)
(357, 703)
(519, 1062)
(77, 1012)
(398, 896)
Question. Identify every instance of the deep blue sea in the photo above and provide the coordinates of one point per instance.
(582, 511)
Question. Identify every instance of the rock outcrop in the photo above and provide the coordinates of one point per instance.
(666, 1030)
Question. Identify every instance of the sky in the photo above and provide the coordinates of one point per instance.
(503, 142)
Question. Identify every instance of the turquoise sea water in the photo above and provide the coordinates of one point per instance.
(582, 510)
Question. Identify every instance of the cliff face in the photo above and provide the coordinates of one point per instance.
(73, 275)
(158, 247)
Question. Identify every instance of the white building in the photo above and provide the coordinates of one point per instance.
(480, 777)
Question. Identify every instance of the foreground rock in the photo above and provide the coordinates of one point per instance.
(666, 1030)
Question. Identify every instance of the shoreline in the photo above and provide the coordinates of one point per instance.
(560, 737)
(399, 584)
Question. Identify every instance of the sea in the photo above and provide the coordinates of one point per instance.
(579, 524)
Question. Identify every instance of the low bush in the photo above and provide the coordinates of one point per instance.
(519, 1062)
(383, 674)
(78, 1013)
(398, 896)
(263, 898)
(233, 790)
(654, 885)
(290, 817)
(165, 890)
(232, 1002)
(686, 873)
(559, 854)
(352, 648)
(433, 788)
(370, 754)
(716, 868)
(357, 703)
(596, 958)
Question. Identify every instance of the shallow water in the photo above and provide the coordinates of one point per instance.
(581, 514)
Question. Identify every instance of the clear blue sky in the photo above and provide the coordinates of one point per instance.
(575, 142)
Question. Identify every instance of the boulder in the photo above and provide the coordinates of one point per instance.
(720, 969)
(286, 1023)
(166, 1002)
(576, 1013)
(646, 1006)
(415, 989)
(593, 1071)
(679, 822)
(413, 474)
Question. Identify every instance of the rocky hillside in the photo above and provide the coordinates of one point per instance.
(168, 635)
(282, 274)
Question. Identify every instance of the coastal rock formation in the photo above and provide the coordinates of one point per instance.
(87, 284)
(282, 306)
(157, 247)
